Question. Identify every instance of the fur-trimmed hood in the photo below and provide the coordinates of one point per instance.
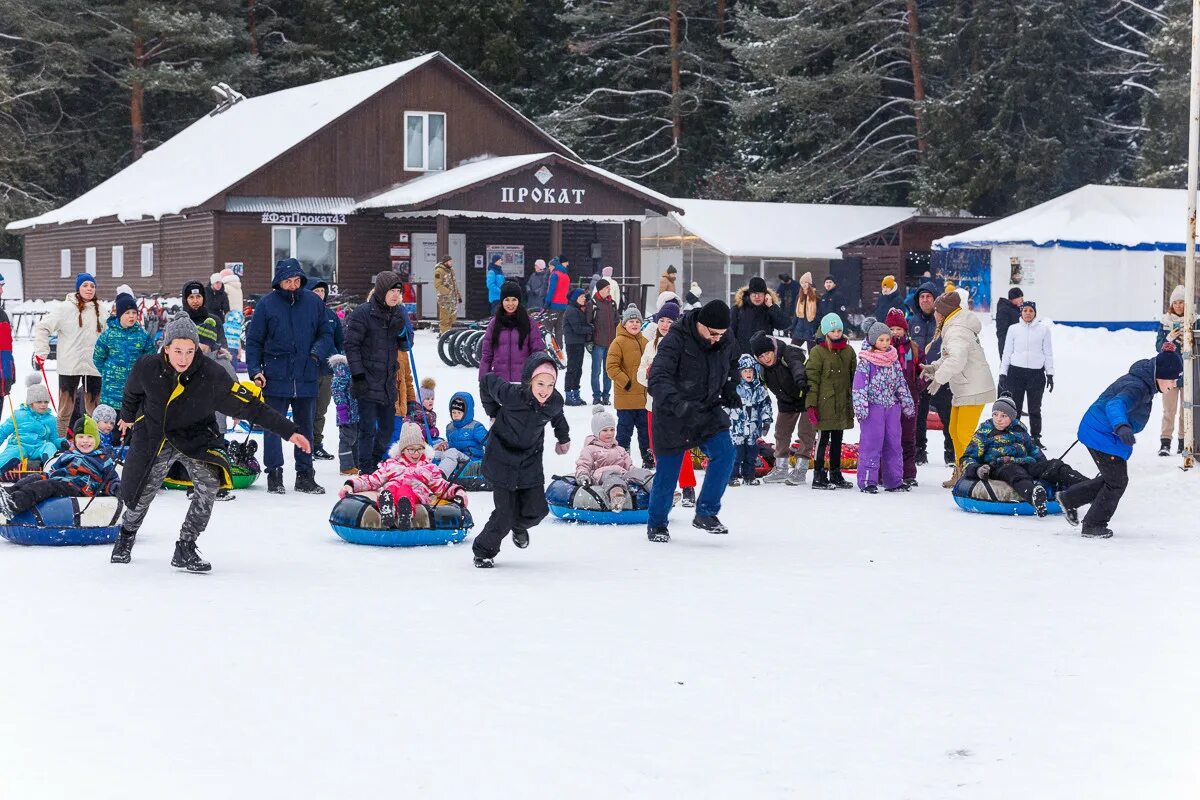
(741, 298)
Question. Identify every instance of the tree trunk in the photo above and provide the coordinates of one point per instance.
(252, 26)
(721, 18)
(137, 92)
(914, 55)
(676, 119)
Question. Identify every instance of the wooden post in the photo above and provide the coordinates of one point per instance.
(443, 236)
(633, 251)
(556, 239)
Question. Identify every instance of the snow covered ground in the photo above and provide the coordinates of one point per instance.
(835, 645)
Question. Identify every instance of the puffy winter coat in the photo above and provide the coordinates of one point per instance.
(235, 319)
(643, 373)
(168, 406)
(1013, 445)
(597, 459)
(788, 293)
(38, 432)
(576, 327)
(832, 303)
(507, 357)
(910, 358)
(804, 330)
(1028, 345)
(77, 332)
(446, 286)
(558, 286)
(1127, 401)
(495, 280)
(114, 355)
(535, 289)
(603, 315)
(344, 405)
(786, 378)
(289, 340)
(513, 456)
(624, 356)
(8, 372)
(886, 303)
(692, 382)
(375, 334)
(666, 282)
(467, 435)
(335, 330)
(93, 474)
(962, 364)
(423, 477)
(876, 385)
(830, 373)
(216, 302)
(407, 395)
(753, 417)
(1007, 315)
(922, 327)
(748, 319)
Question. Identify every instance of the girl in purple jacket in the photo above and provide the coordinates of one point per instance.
(511, 337)
(880, 395)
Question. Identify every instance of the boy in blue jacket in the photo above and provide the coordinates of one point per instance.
(1107, 430)
(465, 436)
(83, 471)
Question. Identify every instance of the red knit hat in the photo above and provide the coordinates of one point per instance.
(895, 319)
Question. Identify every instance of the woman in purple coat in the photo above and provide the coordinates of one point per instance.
(511, 337)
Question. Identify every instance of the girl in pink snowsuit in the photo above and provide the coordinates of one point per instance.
(405, 480)
(606, 465)
(880, 395)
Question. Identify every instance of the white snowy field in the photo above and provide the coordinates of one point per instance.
(834, 645)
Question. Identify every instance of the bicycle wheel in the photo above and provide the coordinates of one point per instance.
(475, 349)
(445, 347)
(462, 348)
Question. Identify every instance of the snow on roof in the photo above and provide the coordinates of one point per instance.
(1091, 217)
(783, 230)
(291, 205)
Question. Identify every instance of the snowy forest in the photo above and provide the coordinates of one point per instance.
(946, 104)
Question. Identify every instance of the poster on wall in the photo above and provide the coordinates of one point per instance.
(967, 269)
(512, 258)
(236, 267)
(401, 257)
(1021, 270)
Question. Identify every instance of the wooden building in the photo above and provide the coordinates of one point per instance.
(405, 162)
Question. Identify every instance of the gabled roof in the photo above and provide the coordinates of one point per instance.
(216, 152)
(783, 230)
(1091, 217)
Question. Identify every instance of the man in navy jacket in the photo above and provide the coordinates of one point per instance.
(288, 341)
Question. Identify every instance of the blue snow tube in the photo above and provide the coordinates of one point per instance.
(993, 505)
(63, 521)
(565, 498)
(356, 519)
(470, 477)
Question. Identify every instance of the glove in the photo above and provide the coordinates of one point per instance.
(813, 416)
(1125, 434)
(562, 447)
(1050, 383)
(583, 480)
(1002, 385)
(730, 397)
(983, 471)
(933, 388)
(358, 386)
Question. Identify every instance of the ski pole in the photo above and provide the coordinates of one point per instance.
(412, 359)
(45, 380)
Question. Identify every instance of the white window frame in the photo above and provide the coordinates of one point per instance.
(118, 261)
(147, 259)
(89, 261)
(425, 115)
(292, 230)
(64, 262)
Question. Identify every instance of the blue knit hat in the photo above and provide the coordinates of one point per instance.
(82, 278)
(831, 322)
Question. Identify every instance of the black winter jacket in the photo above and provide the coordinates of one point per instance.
(748, 319)
(513, 456)
(921, 327)
(179, 408)
(576, 327)
(374, 335)
(832, 302)
(691, 381)
(1007, 315)
(786, 377)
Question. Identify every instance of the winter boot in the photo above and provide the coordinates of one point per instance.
(123, 549)
(754, 481)
(1037, 442)
(1164, 447)
(350, 471)
(709, 524)
(403, 515)
(870, 489)
(922, 457)
(484, 563)
(954, 476)
(911, 483)
(520, 538)
(689, 497)
(779, 474)
(1039, 500)
(188, 557)
(1070, 514)
(821, 479)
(1097, 532)
(387, 510)
(798, 476)
(7, 509)
(904, 487)
(735, 481)
(838, 481)
(320, 454)
(658, 533)
(275, 481)
(573, 398)
(616, 499)
(307, 485)
(605, 401)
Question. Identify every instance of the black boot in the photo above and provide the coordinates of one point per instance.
(1179, 451)
(836, 479)
(1097, 532)
(404, 514)
(307, 485)
(483, 563)
(1164, 447)
(520, 538)
(275, 481)
(1039, 500)
(709, 524)
(922, 458)
(689, 496)
(820, 479)
(320, 454)
(387, 510)
(1070, 514)
(123, 549)
(188, 557)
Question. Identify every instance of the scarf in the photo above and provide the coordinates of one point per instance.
(840, 344)
(880, 358)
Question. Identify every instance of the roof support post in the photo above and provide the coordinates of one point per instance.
(556, 240)
(1189, 313)
(443, 236)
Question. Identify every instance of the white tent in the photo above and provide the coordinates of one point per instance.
(1100, 256)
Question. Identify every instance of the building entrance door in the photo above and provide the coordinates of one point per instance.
(424, 259)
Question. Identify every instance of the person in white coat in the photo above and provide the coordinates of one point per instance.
(1027, 366)
(77, 322)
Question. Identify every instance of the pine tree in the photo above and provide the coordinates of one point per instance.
(1162, 157)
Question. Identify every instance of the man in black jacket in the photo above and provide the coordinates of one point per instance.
(922, 327)
(170, 401)
(376, 332)
(783, 374)
(1008, 313)
(693, 379)
(832, 303)
(755, 310)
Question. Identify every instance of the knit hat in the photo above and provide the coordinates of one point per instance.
(695, 289)
(669, 310)
(714, 314)
(35, 389)
(82, 278)
(896, 319)
(544, 368)
(947, 303)
(1005, 405)
(747, 361)
(602, 419)
(192, 287)
(889, 284)
(1029, 304)
(806, 278)
(671, 270)
(607, 272)
(1178, 294)
(88, 428)
(428, 385)
(831, 322)
(601, 284)
(830, 278)
(761, 343)
(1015, 292)
(757, 285)
(207, 333)
(540, 264)
(510, 289)
(104, 413)
(877, 330)
(125, 288)
(1167, 364)
(631, 313)
(125, 303)
(458, 403)
(215, 278)
(410, 436)
(181, 327)
(574, 295)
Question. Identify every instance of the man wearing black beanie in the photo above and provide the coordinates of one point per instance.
(692, 380)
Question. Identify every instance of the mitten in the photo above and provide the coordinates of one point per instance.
(1050, 383)
(1125, 434)
(813, 417)
(562, 447)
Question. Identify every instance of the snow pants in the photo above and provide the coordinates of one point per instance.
(941, 403)
(375, 424)
(746, 464)
(324, 398)
(963, 422)
(1103, 492)
(1022, 382)
(450, 460)
(347, 445)
(574, 366)
(31, 490)
(687, 470)
(516, 509)
(447, 316)
(880, 453)
(629, 420)
(614, 479)
(908, 445)
(205, 483)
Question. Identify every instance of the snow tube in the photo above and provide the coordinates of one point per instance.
(240, 478)
(66, 521)
(574, 503)
(470, 477)
(355, 518)
(933, 421)
(765, 463)
(849, 457)
(997, 497)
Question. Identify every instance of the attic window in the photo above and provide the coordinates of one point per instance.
(424, 141)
